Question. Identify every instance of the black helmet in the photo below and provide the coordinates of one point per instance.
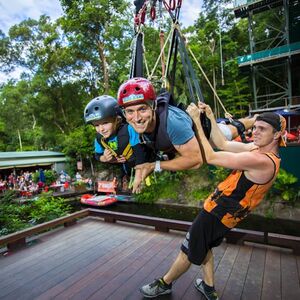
(101, 108)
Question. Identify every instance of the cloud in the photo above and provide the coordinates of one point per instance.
(15, 11)
(190, 11)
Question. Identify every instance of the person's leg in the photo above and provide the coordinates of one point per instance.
(163, 285)
(208, 269)
(180, 266)
(206, 286)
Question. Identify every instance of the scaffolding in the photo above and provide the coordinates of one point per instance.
(273, 59)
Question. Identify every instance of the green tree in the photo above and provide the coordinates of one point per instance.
(97, 29)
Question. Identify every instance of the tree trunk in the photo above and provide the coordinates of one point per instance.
(104, 66)
(20, 140)
(59, 127)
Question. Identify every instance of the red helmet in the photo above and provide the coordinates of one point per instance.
(135, 91)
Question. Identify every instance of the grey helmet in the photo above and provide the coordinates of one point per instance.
(101, 108)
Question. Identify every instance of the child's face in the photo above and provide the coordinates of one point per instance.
(106, 127)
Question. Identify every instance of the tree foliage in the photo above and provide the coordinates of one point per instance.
(86, 53)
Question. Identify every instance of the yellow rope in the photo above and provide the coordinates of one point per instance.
(158, 60)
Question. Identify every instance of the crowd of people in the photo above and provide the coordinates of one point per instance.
(24, 183)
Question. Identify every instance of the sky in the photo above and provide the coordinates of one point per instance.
(14, 11)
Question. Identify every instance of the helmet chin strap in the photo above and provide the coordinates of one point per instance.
(154, 105)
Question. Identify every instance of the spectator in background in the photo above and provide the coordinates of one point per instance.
(78, 176)
(42, 179)
(62, 177)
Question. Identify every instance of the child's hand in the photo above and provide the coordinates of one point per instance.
(121, 159)
(107, 155)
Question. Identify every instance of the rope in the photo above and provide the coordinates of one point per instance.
(165, 69)
(158, 59)
(227, 114)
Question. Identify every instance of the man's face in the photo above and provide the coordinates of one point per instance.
(140, 117)
(263, 133)
(106, 127)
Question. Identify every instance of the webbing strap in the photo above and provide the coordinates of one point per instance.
(136, 69)
(105, 145)
(127, 152)
(190, 68)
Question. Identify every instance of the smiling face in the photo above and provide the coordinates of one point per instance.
(264, 134)
(141, 117)
(106, 127)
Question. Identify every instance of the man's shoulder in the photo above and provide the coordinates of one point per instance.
(176, 110)
(177, 114)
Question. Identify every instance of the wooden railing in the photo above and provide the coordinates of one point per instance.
(236, 235)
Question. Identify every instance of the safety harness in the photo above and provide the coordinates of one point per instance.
(124, 147)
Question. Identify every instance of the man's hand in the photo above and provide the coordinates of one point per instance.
(193, 111)
(141, 172)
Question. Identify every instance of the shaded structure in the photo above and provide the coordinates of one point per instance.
(32, 160)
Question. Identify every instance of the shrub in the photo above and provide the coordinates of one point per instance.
(15, 216)
(284, 187)
(47, 208)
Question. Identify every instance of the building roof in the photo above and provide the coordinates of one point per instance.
(29, 158)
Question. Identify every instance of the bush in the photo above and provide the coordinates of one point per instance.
(50, 176)
(15, 216)
(163, 185)
(284, 187)
(47, 208)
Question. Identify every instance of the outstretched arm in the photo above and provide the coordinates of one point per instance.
(217, 138)
(258, 166)
(189, 157)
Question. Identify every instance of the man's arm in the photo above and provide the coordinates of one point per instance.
(189, 157)
(258, 166)
(217, 138)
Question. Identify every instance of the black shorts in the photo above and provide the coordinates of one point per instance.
(206, 232)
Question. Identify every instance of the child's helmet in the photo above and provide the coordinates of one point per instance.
(101, 108)
(136, 91)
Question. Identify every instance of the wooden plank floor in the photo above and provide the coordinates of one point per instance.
(98, 260)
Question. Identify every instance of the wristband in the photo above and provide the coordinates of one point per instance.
(157, 167)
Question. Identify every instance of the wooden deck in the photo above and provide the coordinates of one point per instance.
(98, 260)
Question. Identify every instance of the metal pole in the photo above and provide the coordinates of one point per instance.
(221, 55)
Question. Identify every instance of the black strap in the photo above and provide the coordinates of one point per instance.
(240, 128)
(136, 69)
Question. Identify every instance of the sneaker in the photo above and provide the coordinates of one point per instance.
(156, 288)
(200, 286)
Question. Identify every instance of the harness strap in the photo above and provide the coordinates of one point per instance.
(240, 128)
(127, 152)
(106, 146)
